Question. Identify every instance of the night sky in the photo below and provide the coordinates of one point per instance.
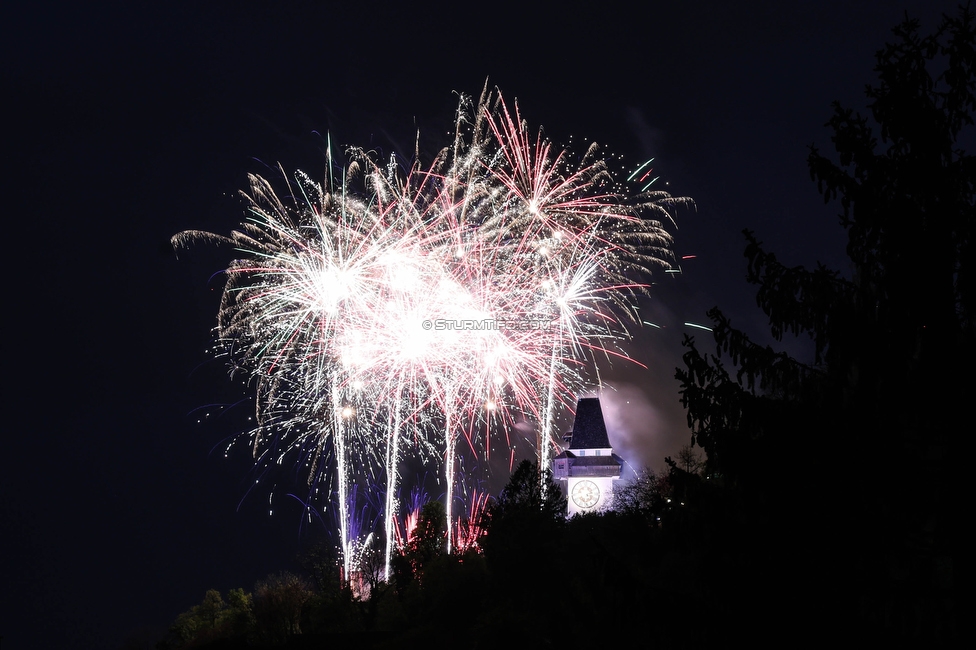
(129, 122)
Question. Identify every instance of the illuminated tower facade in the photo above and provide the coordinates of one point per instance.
(587, 468)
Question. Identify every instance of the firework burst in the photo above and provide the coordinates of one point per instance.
(391, 312)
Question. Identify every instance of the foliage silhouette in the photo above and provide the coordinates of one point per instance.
(893, 354)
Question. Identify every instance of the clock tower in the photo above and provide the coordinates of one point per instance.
(587, 468)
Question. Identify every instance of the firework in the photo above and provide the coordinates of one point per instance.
(386, 311)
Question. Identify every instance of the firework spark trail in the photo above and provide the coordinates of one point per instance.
(329, 304)
(467, 530)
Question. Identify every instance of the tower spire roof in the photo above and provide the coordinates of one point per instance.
(589, 428)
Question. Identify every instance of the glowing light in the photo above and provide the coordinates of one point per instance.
(331, 305)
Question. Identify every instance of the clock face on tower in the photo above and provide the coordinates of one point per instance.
(586, 494)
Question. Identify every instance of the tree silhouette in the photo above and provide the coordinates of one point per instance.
(429, 541)
(522, 529)
(278, 603)
(893, 356)
(527, 504)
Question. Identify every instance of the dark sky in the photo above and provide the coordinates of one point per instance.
(128, 122)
